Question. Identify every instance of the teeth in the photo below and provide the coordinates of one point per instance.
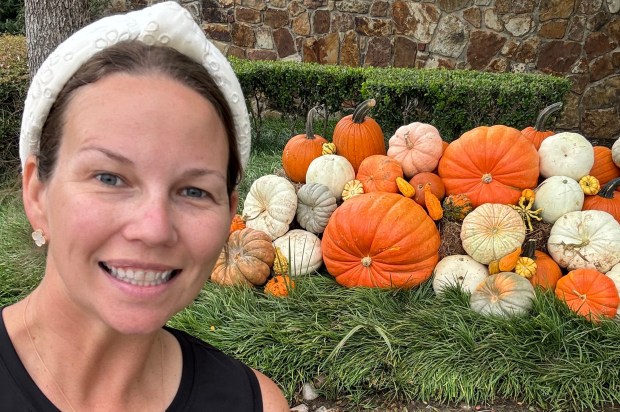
(140, 277)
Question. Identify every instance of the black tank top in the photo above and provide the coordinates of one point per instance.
(210, 381)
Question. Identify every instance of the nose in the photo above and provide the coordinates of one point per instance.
(152, 221)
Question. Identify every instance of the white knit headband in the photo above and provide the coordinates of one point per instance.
(163, 24)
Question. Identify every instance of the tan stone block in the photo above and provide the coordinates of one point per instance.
(553, 29)
(473, 16)
(275, 18)
(369, 26)
(349, 50)
(301, 24)
(555, 9)
(558, 56)
(483, 46)
(602, 123)
(405, 51)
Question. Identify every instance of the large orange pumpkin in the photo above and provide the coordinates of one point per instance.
(378, 173)
(604, 168)
(301, 150)
(490, 165)
(548, 272)
(380, 240)
(358, 136)
(538, 133)
(589, 293)
(607, 199)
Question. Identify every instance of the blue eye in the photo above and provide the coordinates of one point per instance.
(194, 192)
(108, 179)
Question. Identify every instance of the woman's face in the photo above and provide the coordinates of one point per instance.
(136, 210)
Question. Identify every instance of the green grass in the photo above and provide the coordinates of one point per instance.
(399, 344)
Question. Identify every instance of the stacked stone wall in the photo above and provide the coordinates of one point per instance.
(579, 39)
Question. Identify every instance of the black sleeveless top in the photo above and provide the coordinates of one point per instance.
(210, 381)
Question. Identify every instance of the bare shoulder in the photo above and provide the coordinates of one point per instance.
(273, 399)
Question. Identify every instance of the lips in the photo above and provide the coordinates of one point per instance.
(140, 277)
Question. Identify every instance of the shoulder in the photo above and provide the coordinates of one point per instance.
(273, 399)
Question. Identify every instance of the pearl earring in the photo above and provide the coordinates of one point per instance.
(39, 237)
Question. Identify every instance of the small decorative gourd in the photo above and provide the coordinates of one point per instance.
(456, 207)
(589, 293)
(280, 262)
(302, 149)
(334, 171)
(558, 195)
(302, 251)
(585, 239)
(315, 204)
(352, 188)
(270, 205)
(404, 187)
(491, 231)
(506, 263)
(432, 203)
(503, 294)
(237, 223)
(566, 154)
(328, 148)
(526, 263)
(246, 259)
(590, 185)
(458, 270)
(417, 147)
(279, 286)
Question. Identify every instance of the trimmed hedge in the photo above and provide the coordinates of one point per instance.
(14, 80)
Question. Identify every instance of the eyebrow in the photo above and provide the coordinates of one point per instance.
(190, 173)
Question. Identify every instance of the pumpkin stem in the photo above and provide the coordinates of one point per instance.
(544, 115)
(487, 178)
(310, 123)
(581, 296)
(529, 250)
(607, 191)
(408, 141)
(366, 261)
(359, 114)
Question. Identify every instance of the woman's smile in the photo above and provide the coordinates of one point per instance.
(140, 277)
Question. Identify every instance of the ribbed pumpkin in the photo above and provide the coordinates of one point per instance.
(315, 204)
(537, 133)
(492, 231)
(607, 199)
(302, 149)
(302, 251)
(458, 271)
(378, 173)
(417, 147)
(246, 259)
(380, 240)
(589, 293)
(270, 205)
(334, 171)
(490, 165)
(604, 168)
(358, 136)
(420, 181)
(503, 294)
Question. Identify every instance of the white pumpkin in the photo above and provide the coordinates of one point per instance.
(585, 239)
(615, 152)
(270, 205)
(490, 231)
(458, 270)
(315, 205)
(566, 154)
(333, 171)
(556, 196)
(302, 251)
(503, 294)
(614, 274)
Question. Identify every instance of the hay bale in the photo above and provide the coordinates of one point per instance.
(540, 234)
(450, 233)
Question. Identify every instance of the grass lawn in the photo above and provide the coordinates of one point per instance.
(407, 345)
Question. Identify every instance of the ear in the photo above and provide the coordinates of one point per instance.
(234, 202)
(34, 195)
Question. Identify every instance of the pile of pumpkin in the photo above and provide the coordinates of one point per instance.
(370, 214)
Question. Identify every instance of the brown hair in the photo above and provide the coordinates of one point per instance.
(134, 57)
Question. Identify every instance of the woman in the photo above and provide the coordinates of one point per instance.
(133, 139)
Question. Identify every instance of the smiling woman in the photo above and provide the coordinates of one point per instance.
(133, 139)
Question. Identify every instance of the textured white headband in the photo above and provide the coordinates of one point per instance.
(163, 24)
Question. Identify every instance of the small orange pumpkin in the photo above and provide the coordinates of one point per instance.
(301, 150)
(548, 272)
(607, 199)
(604, 168)
(420, 180)
(279, 286)
(589, 293)
(378, 173)
(238, 223)
(538, 133)
(358, 136)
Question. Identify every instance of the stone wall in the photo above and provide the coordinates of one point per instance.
(579, 39)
